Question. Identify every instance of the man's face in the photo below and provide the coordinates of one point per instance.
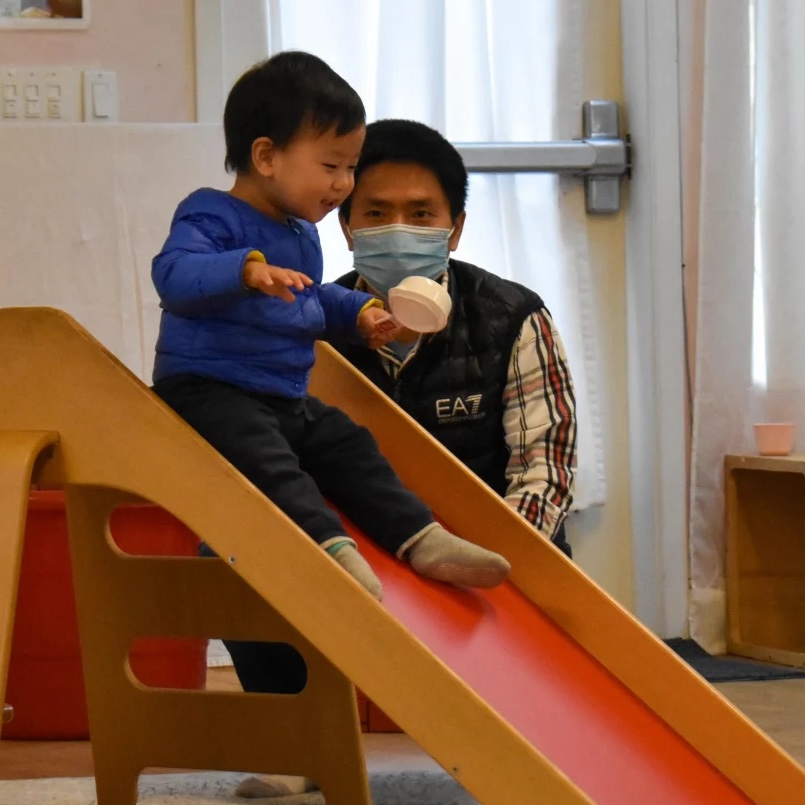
(401, 193)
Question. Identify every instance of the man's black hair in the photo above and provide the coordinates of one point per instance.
(410, 141)
(279, 96)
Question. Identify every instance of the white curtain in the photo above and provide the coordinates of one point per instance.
(84, 209)
(480, 71)
(725, 248)
(780, 172)
(750, 333)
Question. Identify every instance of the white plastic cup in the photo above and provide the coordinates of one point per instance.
(774, 438)
(420, 304)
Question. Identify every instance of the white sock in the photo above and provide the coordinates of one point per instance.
(438, 554)
(345, 552)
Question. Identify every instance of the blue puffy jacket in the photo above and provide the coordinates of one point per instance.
(212, 326)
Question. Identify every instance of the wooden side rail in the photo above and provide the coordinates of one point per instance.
(560, 589)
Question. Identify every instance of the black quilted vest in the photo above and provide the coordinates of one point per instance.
(454, 384)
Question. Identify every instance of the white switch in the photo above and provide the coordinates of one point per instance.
(10, 92)
(54, 92)
(10, 109)
(100, 95)
(101, 101)
(32, 109)
(32, 92)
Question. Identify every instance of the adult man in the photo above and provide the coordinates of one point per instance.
(494, 386)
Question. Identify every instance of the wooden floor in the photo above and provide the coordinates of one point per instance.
(27, 760)
(776, 707)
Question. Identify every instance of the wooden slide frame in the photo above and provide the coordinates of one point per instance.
(117, 439)
(114, 434)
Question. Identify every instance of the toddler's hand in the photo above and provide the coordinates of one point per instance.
(273, 280)
(378, 327)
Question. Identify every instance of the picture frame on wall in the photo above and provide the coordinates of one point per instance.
(44, 15)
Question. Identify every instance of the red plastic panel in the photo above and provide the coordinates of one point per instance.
(45, 678)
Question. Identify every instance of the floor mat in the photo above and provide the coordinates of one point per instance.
(728, 669)
(214, 788)
(173, 789)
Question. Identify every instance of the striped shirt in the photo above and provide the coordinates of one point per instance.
(539, 423)
(539, 420)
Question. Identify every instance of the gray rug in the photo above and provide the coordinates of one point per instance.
(399, 774)
(729, 669)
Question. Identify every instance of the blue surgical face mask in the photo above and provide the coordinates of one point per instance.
(385, 255)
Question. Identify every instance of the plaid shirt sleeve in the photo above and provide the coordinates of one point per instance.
(539, 422)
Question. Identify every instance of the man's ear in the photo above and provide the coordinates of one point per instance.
(345, 229)
(263, 153)
(458, 228)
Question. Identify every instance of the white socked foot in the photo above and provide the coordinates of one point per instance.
(344, 551)
(274, 785)
(443, 556)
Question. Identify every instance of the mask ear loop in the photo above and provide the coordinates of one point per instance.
(449, 234)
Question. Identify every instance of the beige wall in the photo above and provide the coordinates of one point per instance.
(602, 537)
(149, 43)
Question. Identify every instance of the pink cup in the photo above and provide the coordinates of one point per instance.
(774, 438)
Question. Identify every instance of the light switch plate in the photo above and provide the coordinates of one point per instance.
(100, 96)
(40, 94)
(10, 95)
(30, 94)
(60, 94)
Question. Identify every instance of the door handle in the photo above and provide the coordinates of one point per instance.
(601, 157)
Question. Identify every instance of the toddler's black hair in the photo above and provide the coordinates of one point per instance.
(278, 97)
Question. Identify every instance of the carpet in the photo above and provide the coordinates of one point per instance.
(729, 669)
(174, 789)
(216, 788)
(400, 773)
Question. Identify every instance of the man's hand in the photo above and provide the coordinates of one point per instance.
(378, 327)
(274, 281)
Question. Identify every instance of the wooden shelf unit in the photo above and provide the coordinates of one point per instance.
(765, 557)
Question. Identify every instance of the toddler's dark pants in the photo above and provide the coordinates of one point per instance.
(298, 452)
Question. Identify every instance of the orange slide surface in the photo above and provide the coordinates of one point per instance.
(574, 711)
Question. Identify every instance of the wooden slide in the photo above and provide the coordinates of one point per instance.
(544, 690)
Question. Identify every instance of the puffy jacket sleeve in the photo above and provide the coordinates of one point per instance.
(341, 308)
(197, 269)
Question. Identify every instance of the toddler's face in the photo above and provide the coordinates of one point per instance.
(314, 173)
